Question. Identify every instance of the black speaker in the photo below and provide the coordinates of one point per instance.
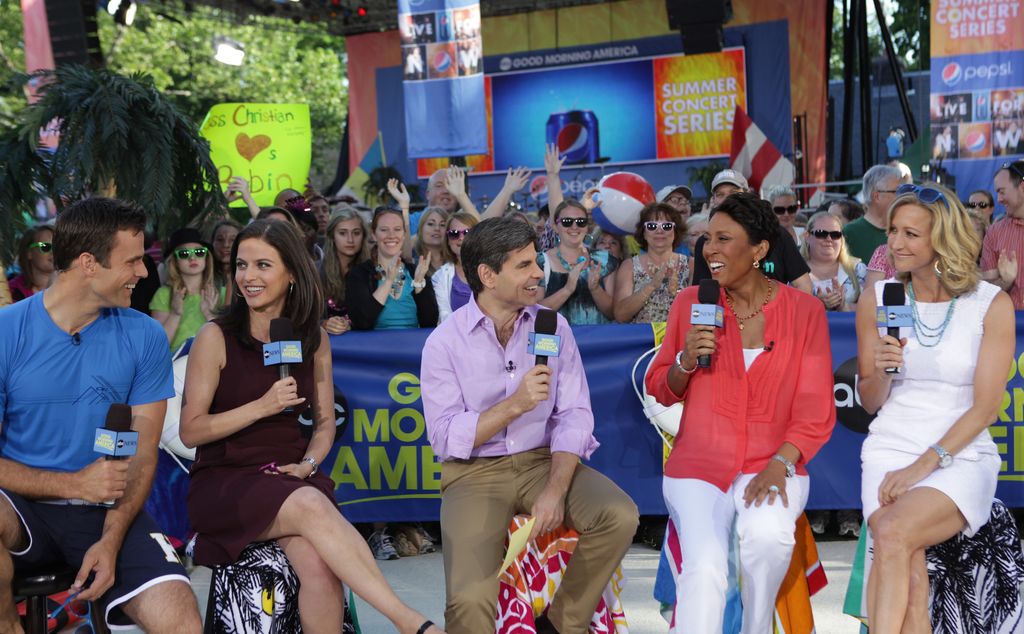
(699, 23)
(73, 32)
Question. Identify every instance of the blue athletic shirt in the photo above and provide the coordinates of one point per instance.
(54, 394)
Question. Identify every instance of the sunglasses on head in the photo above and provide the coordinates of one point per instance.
(454, 234)
(821, 234)
(981, 205)
(789, 209)
(1012, 166)
(568, 222)
(44, 247)
(927, 195)
(184, 254)
(665, 226)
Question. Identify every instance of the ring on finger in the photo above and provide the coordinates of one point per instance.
(773, 489)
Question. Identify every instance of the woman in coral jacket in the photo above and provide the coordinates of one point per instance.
(752, 420)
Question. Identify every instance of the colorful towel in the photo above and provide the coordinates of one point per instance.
(793, 614)
(527, 587)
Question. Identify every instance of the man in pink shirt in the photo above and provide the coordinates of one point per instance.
(1002, 254)
(510, 435)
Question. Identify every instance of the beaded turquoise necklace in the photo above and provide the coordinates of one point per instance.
(928, 336)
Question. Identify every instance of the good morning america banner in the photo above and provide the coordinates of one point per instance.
(384, 469)
(443, 77)
(977, 88)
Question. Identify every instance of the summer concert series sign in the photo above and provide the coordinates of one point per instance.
(442, 69)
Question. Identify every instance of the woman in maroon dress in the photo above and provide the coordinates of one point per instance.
(255, 477)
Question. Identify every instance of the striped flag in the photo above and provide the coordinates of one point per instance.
(754, 156)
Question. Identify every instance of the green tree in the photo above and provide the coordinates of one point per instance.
(12, 61)
(283, 64)
(908, 22)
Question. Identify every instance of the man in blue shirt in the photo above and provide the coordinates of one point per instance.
(66, 355)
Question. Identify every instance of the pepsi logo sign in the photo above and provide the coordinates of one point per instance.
(442, 61)
(952, 74)
(975, 141)
(572, 138)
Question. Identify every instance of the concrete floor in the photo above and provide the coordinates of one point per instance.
(419, 581)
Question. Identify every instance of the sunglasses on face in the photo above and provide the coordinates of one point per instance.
(981, 205)
(568, 222)
(665, 226)
(44, 247)
(184, 254)
(455, 234)
(927, 195)
(821, 234)
(789, 209)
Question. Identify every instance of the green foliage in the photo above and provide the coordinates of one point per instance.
(12, 61)
(283, 64)
(119, 136)
(706, 173)
(909, 24)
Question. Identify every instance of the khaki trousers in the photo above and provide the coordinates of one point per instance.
(478, 499)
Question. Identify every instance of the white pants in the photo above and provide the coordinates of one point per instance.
(703, 516)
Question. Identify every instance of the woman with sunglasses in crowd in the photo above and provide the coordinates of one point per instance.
(577, 282)
(981, 202)
(257, 477)
(450, 286)
(646, 284)
(754, 417)
(191, 296)
(346, 245)
(838, 277)
(929, 463)
(35, 258)
(783, 202)
(385, 292)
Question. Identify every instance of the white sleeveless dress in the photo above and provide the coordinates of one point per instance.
(934, 389)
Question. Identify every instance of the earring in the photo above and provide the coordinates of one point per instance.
(935, 265)
(291, 287)
(757, 264)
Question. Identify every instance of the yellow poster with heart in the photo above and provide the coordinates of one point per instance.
(267, 144)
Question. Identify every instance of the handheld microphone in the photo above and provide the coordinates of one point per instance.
(116, 440)
(543, 341)
(893, 314)
(707, 312)
(283, 349)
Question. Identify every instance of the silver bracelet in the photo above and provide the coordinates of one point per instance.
(312, 462)
(679, 364)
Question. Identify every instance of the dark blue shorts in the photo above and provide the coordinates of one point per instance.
(62, 533)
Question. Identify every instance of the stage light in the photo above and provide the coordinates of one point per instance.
(361, 12)
(228, 51)
(123, 11)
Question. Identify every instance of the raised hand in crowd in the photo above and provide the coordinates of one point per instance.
(515, 180)
(832, 297)
(399, 193)
(552, 166)
(455, 183)
(1007, 268)
(420, 275)
(588, 199)
(209, 298)
(238, 188)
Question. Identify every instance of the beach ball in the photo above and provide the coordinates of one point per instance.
(621, 196)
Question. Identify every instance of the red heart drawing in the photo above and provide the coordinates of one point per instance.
(249, 147)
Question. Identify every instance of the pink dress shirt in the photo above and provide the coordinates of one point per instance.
(465, 372)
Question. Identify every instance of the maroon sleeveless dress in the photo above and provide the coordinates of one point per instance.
(230, 501)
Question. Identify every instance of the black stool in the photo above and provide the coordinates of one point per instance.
(36, 586)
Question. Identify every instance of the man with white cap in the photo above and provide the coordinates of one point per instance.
(784, 262)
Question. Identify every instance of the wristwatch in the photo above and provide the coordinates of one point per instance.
(420, 285)
(312, 461)
(945, 458)
(682, 368)
(790, 467)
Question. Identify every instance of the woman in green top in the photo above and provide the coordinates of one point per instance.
(191, 296)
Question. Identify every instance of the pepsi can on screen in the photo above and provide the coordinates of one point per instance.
(575, 134)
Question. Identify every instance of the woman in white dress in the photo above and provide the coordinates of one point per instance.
(930, 465)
